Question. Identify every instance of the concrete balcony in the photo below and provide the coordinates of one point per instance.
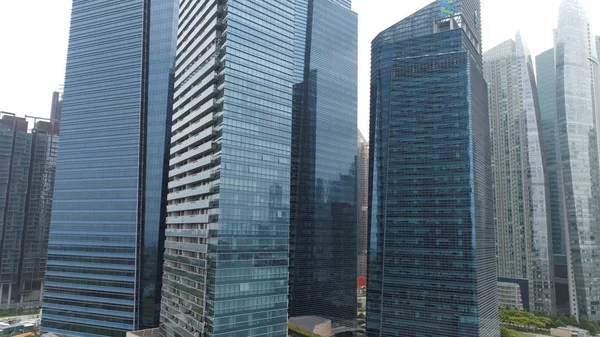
(194, 178)
(188, 205)
(190, 192)
(190, 247)
(193, 140)
(191, 233)
(204, 161)
(187, 219)
(196, 151)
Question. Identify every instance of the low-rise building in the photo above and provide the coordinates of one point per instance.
(315, 324)
(509, 295)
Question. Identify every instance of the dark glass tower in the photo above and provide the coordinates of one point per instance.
(27, 168)
(107, 229)
(432, 263)
(323, 253)
(563, 279)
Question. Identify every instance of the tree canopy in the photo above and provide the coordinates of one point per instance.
(504, 332)
(540, 321)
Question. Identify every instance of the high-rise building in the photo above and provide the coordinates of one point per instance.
(597, 45)
(576, 109)
(107, 230)
(363, 202)
(56, 108)
(563, 279)
(228, 227)
(323, 256)
(432, 260)
(27, 168)
(521, 204)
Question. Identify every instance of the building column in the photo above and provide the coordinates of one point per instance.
(9, 294)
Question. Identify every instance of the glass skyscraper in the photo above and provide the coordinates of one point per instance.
(107, 229)
(227, 237)
(363, 202)
(27, 169)
(563, 276)
(597, 45)
(323, 255)
(432, 265)
(56, 107)
(577, 129)
(521, 204)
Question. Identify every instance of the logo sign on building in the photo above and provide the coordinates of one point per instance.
(447, 8)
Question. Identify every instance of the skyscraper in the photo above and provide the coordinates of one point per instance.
(521, 204)
(432, 266)
(363, 202)
(323, 255)
(27, 168)
(107, 228)
(597, 45)
(227, 236)
(577, 111)
(56, 108)
(563, 279)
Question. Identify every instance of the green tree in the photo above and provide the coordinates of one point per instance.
(519, 320)
(573, 321)
(544, 322)
(504, 332)
(589, 326)
(560, 322)
(592, 329)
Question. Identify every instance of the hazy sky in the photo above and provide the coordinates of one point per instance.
(34, 35)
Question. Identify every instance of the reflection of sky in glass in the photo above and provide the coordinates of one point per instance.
(432, 248)
(109, 183)
(227, 236)
(578, 141)
(323, 272)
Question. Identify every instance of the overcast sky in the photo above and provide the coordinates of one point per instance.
(34, 35)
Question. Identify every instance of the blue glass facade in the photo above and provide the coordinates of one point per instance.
(161, 72)
(227, 236)
(104, 261)
(546, 82)
(432, 265)
(323, 210)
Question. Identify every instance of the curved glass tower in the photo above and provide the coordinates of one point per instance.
(432, 259)
(576, 66)
(523, 231)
